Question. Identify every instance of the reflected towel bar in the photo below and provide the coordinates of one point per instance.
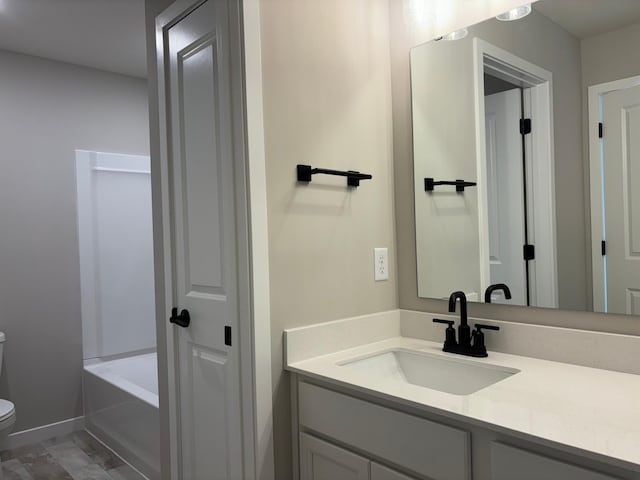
(430, 184)
(353, 177)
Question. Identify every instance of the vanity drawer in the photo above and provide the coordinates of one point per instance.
(428, 448)
(508, 463)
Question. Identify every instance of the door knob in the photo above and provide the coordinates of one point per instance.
(183, 320)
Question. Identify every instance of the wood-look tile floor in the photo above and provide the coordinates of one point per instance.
(73, 457)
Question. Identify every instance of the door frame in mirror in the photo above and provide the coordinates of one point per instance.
(540, 173)
(595, 94)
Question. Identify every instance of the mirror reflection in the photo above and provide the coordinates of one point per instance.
(526, 153)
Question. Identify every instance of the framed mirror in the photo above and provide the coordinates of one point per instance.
(526, 143)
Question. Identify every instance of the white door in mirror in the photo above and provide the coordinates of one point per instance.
(381, 264)
(621, 117)
(505, 187)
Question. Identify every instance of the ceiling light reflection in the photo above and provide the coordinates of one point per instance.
(515, 13)
(457, 35)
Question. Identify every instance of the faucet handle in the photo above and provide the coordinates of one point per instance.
(478, 348)
(479, 327)
(450, 334)
(447, 322)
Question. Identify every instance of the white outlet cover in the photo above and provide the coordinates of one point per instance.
(380, 264)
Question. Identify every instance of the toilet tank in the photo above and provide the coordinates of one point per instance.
(1, 349)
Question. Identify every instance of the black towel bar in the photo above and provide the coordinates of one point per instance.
(353, 177)
(430, 184)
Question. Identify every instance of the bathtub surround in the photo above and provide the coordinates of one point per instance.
(49, 109)
(116, 253)
(120, 379)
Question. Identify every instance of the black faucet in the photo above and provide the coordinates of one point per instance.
(464, 331)
(493, 288)
(464, 344)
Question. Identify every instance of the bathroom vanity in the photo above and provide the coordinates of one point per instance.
(388, 407)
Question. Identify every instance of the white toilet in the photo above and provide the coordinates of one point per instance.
(7, 410)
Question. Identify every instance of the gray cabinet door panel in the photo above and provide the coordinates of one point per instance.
(508, 463)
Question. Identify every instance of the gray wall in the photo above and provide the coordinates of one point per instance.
(327, 103)
(610, 56)
(47, 110)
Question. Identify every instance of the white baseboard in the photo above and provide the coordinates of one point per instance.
(38, 434)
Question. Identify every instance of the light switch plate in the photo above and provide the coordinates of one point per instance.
(380, 264)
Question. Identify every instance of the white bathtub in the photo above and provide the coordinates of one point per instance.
(121, 408)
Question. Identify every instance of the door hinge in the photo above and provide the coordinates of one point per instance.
(600, 130)
(227, 335)
(525, 126)
(529, 252)
(603, 248)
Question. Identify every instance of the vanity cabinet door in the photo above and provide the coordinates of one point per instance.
(320, 460)
(378, 472)
(508, 463)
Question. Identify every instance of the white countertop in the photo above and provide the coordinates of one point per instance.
(596, 411)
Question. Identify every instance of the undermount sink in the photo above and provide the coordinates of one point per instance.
(450, 375)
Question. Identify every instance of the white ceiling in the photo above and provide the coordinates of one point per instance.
(104, 34)
(110, 34)
(586, 18)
